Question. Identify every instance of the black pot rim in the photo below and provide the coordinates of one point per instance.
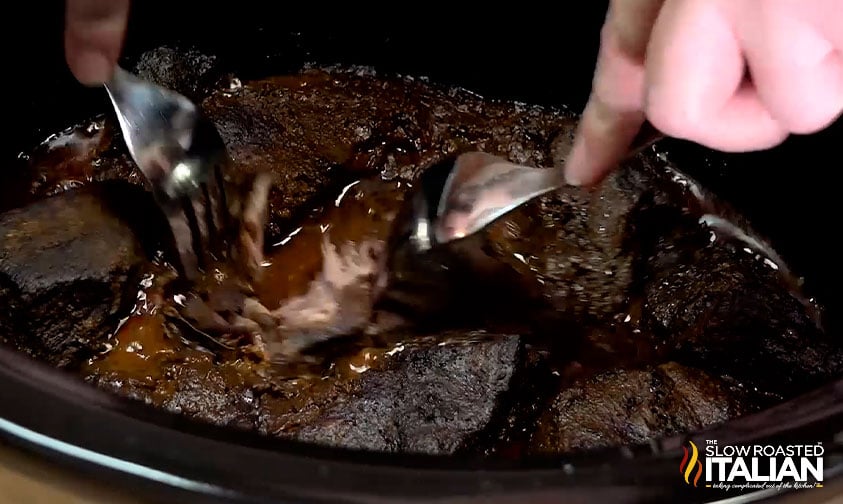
(74, 424)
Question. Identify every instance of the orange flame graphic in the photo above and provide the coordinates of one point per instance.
(687, 466)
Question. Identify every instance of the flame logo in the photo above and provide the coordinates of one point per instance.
(687, 466)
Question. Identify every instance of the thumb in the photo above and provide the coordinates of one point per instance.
(93, 39)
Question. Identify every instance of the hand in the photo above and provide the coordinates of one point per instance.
(93, 38)
(681, 65)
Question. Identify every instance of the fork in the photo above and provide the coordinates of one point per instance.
(183, 157)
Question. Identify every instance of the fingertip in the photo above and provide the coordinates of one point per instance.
(585, 178)
(89, 66)
(580, 168)
(600, 145)
(94, 33)
(575, 169)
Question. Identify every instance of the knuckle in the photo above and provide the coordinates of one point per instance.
(807, 122)
(673, 120)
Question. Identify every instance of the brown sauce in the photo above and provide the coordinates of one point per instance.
(362, 211)
(377, 134)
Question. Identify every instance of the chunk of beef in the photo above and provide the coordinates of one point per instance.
(185, 71)
(321, 130)
(419, 397)
(572, 255)
(428, 400)
(633, 406)
(68, 265)
(582, 245)
(727, 310)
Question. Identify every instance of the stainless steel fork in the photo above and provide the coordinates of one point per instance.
(182, 155)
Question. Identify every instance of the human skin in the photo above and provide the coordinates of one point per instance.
(682, 65)
(93, 38)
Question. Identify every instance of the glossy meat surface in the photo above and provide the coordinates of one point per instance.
(581, 308)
